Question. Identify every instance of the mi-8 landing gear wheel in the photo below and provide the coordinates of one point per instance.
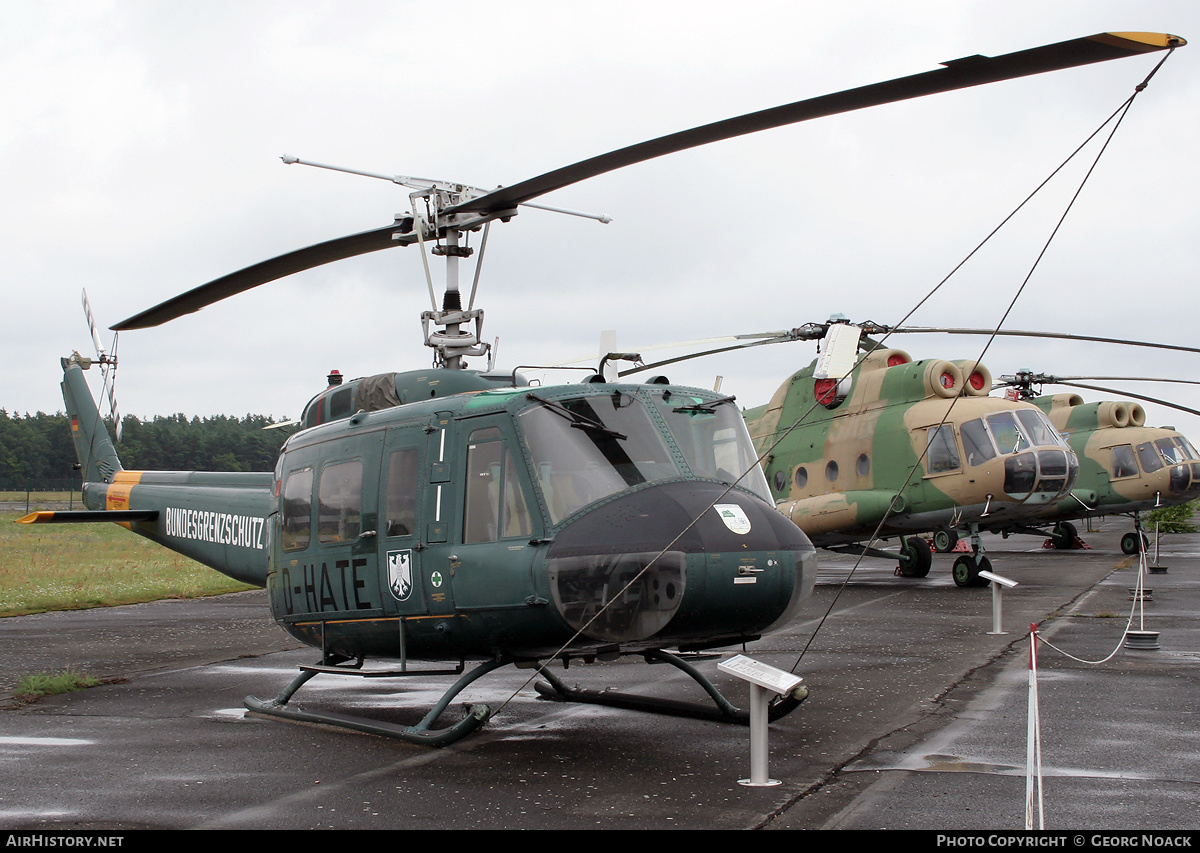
(945, 540)
(967, 568)
(915, 558)
(1129, 542)
(1063, 535)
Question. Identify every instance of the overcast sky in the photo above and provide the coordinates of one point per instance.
(141, 145)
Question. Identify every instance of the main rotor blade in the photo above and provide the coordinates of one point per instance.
(935, 330)
(1129, 394)
(744, 345)
(1061, 379)
(399, 233)
(956, 74)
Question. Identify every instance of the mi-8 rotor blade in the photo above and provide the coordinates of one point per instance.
(1058, 380)
(938, 330)
(956, 74)
(399, 233)
(817, 331)
(1129, 394)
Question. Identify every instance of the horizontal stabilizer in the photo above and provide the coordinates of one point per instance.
(87, 516)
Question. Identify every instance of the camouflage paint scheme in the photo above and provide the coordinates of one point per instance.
(837, 469)
(1115, 450)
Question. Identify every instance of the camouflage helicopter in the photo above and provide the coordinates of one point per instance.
(866, 444)
(855, 454)
(439, 516)
(1125, 466)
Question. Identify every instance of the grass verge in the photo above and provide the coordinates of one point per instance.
(76, 566)
(33, 687)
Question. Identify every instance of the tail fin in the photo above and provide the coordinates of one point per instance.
(97, 455)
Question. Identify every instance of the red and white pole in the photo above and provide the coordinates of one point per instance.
(1033, 742)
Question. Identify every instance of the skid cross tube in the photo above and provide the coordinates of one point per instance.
(421, 733)
(724, 712)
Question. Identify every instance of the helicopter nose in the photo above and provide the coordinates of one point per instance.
(1040, 476)
(1184, 480)
(679, 560)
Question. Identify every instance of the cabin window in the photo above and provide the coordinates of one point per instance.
(340, 402)
(339, 503)
(402, 493)
(863, 465)
(495, 505)
(801, 477)
(941, 455)
(1123, 464)
(831, 471)
(297, 510)
(780, 480)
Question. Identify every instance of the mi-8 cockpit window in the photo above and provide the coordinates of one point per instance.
(339, 502)
(495, 506)
(1149, 456)
(1006, 432)
(977, 446)
(1039, 431)
(712, 436)
(1174, 450)
(587, 448)
(1010, 432)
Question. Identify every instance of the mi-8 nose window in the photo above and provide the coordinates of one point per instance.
(1006, 432)
(1173, 450)
(1038, 429)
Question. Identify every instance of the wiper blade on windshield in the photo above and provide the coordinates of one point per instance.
(578, 420)
(708, 406)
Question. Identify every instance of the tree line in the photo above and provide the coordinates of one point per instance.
(36, 451)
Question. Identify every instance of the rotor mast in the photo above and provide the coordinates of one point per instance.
(451, 342)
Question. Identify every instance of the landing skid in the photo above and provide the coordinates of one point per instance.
(421, 733)
(723, 712)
